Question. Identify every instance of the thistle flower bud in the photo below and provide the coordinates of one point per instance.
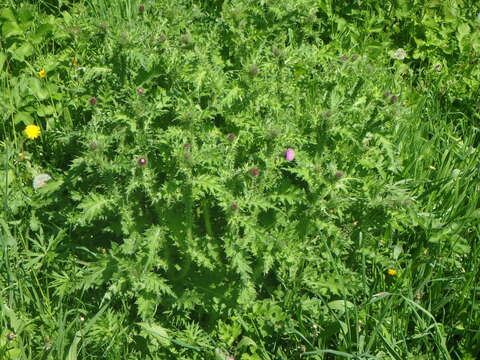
(276, 51)
(185, 39)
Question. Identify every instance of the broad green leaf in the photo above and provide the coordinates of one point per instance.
(23, 117)
(37, 90)
(8, 15)
(10, 29)
(24, 51)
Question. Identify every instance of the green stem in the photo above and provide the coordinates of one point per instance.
(206, 218)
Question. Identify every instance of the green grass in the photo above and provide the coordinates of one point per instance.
(190, 254)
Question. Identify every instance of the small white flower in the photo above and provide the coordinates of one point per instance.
(399, 54)
(40, 180)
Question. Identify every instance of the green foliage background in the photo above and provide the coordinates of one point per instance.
(192, 256)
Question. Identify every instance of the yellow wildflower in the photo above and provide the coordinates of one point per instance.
(42, 74)
(392, 272)
(32, 131)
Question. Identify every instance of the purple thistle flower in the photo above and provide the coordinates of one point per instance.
(290, 154)
(231, 136)
(338, 174)
(141, 8)
(394, 98)
(140, 91)
(92, 100)
(186, 146)
(255, 172)
(142, 161)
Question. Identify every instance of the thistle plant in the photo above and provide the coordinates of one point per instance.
(260, 196)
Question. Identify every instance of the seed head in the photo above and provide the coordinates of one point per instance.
(289, 154)
(399, 54)
(11, 336)
(162, 37)
(41, 180)
(140, 91)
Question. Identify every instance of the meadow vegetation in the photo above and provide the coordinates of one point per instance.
(220, 179)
